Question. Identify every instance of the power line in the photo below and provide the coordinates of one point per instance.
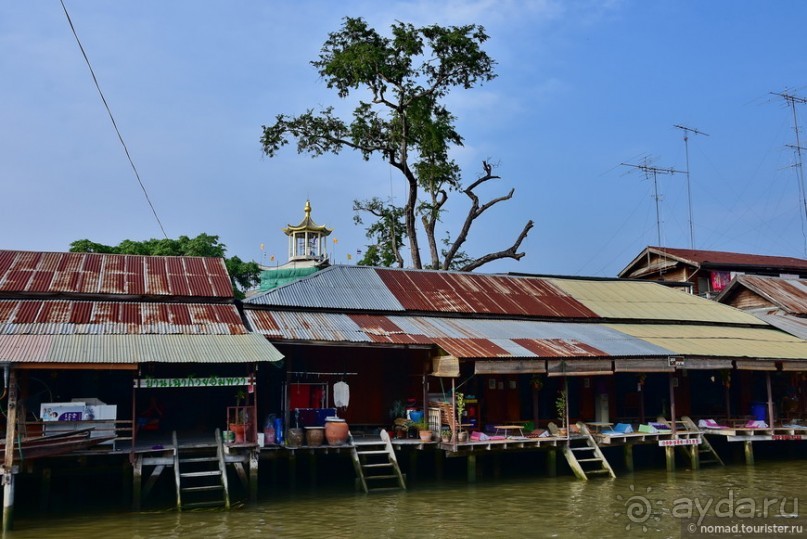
(112, 118)
(686, 131)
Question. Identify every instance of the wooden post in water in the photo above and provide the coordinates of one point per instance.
(628, 450)
(137, 482)
(669, 454)
(471, 471)
(694, 457)
(44, 489)
(253, 475)
(749, 452)
(552, 462)
(8, 458)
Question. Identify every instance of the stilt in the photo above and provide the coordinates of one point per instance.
(552, 462)
(669, 454)
(292, 470)
(694, 457)
(471, 471)
(137, 482)
(413, 465)
(253, 476)
(770, 398)
(749, 452)
(628, 451)
(439, 464)
(44, 489)
(497, 466)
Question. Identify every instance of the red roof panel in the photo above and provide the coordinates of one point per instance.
(559, 348)
(94, 273)
(734, 259)
(481, 294)
(104, 317)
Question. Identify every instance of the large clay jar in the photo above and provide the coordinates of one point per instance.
(294, 437)
(314, 436)
(336, 431)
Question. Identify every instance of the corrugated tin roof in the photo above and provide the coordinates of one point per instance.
(133, 349)
(701, 257)
(108, 274)
(463, 292)
(794, 325)
(336, 287)
(718, 341)
(65, 317)
(637, 300)
(461, 337)
(789, 295)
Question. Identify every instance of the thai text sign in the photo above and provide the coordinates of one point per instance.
(191, 381)
(679, 441)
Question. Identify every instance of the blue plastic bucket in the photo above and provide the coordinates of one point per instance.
(758, 411)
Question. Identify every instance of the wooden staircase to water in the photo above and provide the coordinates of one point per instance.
(201, 476)
(584, 455)
(376, 465)
(706, 453)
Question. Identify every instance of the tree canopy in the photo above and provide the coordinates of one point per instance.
(404, 122)
(243, 275)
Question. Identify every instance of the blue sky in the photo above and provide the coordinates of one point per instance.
(582, 87)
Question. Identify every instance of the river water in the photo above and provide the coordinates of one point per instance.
(647, 503)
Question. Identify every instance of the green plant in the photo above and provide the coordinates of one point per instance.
(445, 433)
(421, 425)
(459, 398)
(561, 403)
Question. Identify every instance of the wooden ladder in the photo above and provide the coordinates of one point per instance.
(584, 455)
(706, 453)
(375, 464)
(201, 476)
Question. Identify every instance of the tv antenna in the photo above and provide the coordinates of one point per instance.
(687, 131)
(792, 100)
(654, 171)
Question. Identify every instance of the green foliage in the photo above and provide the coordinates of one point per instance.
(561, 404)
(242, 274)
(404, 123)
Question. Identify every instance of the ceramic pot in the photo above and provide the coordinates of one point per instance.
(336, 431)
(314, 436)
(294, 437)
(462, 436)
(238, 429)
(425, 435)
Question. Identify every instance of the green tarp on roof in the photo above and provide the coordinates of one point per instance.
(273, 278)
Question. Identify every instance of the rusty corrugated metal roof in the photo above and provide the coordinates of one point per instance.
(723, 258)
(463, 292)
(645, 300)
(67, 317)
(790, 295)
(134, 349)
(461, 337)
(718, 341)
(108, 274)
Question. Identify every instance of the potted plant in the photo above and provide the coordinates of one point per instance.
(561, 403)
(459, 399)
(445, 436)
(423, 430)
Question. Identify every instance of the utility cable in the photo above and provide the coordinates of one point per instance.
(112, 118)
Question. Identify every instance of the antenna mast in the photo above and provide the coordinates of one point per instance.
(686, 131)
(655, 171)
(792, 100)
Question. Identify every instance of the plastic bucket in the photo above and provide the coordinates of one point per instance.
(758, 411)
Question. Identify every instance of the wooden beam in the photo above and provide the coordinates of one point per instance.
(8, 458)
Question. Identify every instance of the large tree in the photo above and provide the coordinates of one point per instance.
(243, 275)
(403, 120)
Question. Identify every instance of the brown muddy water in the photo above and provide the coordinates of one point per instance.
(648, 503)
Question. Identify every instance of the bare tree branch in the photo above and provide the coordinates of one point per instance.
(507, 253)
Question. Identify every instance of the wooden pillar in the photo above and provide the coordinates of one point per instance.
(552, 462)
(312, 468)
(253, 476)
(749, 452)
(137, 482)
(471, 469)
(672, 404)
(669, 454)
(497, 466)
(8, 459)
(694, 457)
(770, 398)
(413, 464)
(44, 489)
(292, 469)
(439, 461)
(628, 451)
